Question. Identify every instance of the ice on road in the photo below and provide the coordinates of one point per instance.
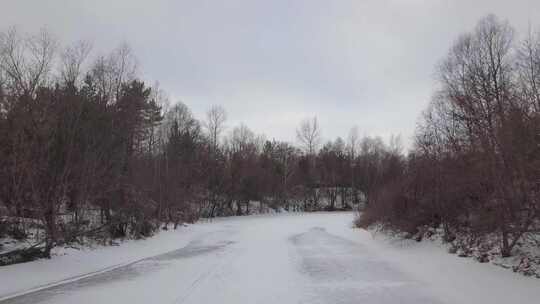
(297, 258)
(342, 271)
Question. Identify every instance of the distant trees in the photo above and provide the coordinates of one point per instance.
(475, 167)
(333, 171)
(278, 163)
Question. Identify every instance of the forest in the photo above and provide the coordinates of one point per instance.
(89, 151)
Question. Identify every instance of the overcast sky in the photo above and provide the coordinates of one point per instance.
(272, 63)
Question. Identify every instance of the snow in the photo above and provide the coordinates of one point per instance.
(69, 264)
(282, 258)
(8, 244)
(452, 278)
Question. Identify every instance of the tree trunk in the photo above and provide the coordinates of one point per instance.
(506, 249)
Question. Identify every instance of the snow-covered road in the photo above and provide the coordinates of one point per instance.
(299, 258)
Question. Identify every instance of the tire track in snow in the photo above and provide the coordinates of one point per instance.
(342, 271)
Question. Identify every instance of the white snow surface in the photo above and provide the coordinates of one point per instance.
(282, 258)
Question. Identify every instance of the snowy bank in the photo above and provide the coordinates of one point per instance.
(285, 258)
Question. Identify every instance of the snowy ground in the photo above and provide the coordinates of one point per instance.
(294, 258)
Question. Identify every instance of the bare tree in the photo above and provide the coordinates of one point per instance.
(352, 141)
(528, 65)
(215, 124)
(123, 64)
(26, 60)
(241, 139)
(309, 135)
(352, 145)
(72, 60)
(111, 71)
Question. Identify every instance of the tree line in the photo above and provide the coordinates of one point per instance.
(89, 150)
(475, 166)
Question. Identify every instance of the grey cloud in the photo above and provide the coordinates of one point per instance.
(270, 63)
